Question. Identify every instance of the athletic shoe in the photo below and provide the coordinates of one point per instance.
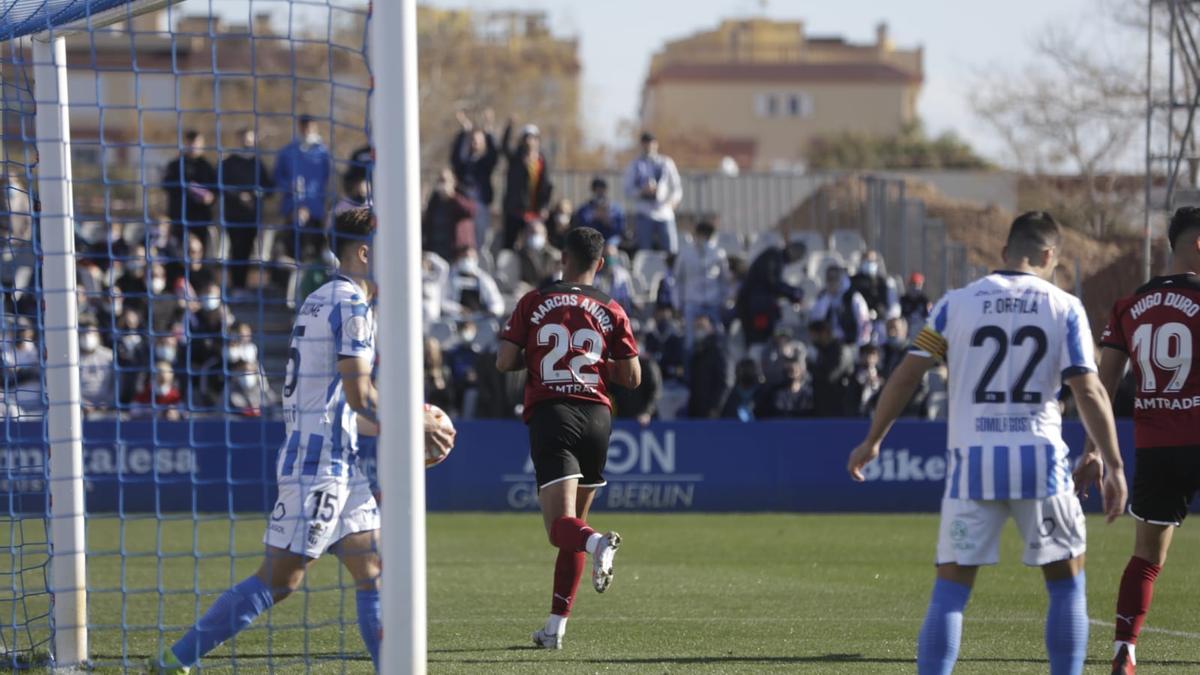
(1123, 663)
(166, 664)
(544, 640)
(602, 561)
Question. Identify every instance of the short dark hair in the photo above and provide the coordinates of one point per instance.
(648, 136)
(1031, 233)
(584, 246)
(190, 136)
(305, 119)
(705, 228)
(351, 228)
(1184, 219)
(599, 183)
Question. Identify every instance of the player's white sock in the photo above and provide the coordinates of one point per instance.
(1117, 648)
(556, 625)
(593, 542)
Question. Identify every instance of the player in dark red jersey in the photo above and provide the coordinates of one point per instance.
(1156, 328)
(572, 339)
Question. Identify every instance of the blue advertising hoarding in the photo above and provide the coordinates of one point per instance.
(216, 466)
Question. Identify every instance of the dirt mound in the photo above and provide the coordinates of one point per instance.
(1108, 269)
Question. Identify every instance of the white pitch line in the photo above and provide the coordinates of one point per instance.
(1152, 629)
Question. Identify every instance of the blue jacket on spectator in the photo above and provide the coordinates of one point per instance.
(302, 175)
(589, 215)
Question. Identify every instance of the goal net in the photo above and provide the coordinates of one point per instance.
(170, 169)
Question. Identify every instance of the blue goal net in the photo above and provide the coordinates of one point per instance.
(211, 144)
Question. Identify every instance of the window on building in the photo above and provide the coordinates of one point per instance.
(783, 104)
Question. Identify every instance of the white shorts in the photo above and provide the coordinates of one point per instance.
(315, 513)
(1053, 529)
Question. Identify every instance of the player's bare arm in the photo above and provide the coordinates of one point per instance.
(1090, 468)
(1095, 410)
(625, 372)
(895, 396)
(361, 395)
(510, 358)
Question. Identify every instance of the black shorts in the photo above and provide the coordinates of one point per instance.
(569, 439)
(1164, 482)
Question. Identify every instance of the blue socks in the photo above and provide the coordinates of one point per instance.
(233, 611)
(368, 622)
(1067, 625)
(937, 647)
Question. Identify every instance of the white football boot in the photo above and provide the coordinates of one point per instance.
(544, 640)
(602, 561)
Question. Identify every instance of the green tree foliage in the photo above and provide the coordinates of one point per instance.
(909, 149)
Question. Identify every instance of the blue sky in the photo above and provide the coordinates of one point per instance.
(617, 38)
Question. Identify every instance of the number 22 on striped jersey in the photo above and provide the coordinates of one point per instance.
(562, 339)
(1169, 347)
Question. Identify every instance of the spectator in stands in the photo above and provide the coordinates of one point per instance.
(600, 214)
(895, 344)
(20, 361)
(793, 397)
(105, 252)
(539, 260)
(702, 275)
(95, 368)
(832, 364)
(708, 372)
(868, 380)
(249, 391)
(438, 379)
(207, 319)
(653, 183)
(447, 224)
(843, 308)
(165, 306)
(471, 291)
(245, 183)
(667, 292)
(356, 194)
(166, 349)
(302, 172)
(473, 157)
(914, 304)
(527, 188)
(879, 292)
(190, 182)
(665, 343)
(132, 346)
(758, 298)
(132, 283)
(199, 272)
(782, 348)
(361, 166)
(160, 394)
(614, 279)
(558, 222)
(462, 361)
(435, 276)
(742, 402)
(640, 404)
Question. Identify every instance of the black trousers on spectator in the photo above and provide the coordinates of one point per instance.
(514, 223)
(241, 244)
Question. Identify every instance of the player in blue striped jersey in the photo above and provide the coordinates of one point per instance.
(1010, 340)
(325, 502)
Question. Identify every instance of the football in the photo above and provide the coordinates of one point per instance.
(435, 416)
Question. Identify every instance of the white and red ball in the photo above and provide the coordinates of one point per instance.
(436, 417)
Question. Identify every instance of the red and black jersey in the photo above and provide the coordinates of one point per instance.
(569, 332)
(1157, 327)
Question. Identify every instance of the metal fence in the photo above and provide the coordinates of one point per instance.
(751, 204)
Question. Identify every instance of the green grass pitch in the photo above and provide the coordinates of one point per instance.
(693, 593)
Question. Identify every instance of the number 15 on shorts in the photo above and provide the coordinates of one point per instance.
(320, 507)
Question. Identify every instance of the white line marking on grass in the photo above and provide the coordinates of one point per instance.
(1152, 629)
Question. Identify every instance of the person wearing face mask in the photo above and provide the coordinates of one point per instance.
(702, 277)
(95, 369)
(614, 279)
(302, 173)
(245, 183)
(471, 291)
(249, 391)
(914, 304)
(205, 327)
(190, 182)
(707, 376)
(843, 308)
(132, 283)
(539, 260)
(877, 290)
(600, 214)
(791, 398)
(527, 189)
(133, 354)
(160, 395)
(558, 222)
(447, 223)
(742, 402)
(665, 344)
(20, 368)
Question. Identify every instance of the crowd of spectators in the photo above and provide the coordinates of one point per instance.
(726, 327)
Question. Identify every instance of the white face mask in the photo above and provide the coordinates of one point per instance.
(249, 380)
(158, 285)
(312, 138)
(869, 268)
(537, 242)
(165, 354)
(211, 303)
(163, 389)
(89, 342)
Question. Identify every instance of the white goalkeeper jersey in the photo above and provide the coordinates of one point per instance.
(1009, 340)
(334, 322)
